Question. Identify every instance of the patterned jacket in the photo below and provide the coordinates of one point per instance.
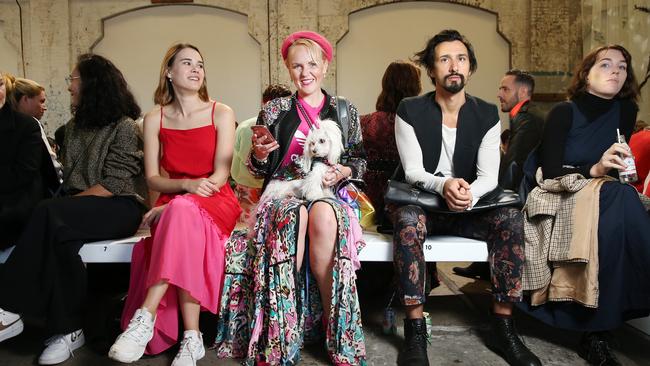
(280, 115)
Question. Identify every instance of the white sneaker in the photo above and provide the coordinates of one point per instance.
(191, 349)
(129, 346)
(10, 325)
(60, 347)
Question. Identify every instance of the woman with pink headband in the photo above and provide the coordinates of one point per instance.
(302, 255)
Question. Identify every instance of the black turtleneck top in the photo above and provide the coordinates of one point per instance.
(558, 124)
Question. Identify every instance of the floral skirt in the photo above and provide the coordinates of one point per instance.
(268, 309)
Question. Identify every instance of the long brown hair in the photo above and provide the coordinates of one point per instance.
(630, 89)
(164, 93)
(401, 79)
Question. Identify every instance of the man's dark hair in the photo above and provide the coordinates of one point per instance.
(275, 91)
(104, 96)
(523, 78)
(427, 57)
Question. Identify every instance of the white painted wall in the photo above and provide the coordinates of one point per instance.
(9, 56)
(386, 33)
(137, 41)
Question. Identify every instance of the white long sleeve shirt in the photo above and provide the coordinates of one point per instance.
(410, 153)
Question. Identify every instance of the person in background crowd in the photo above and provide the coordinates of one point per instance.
(248, 188)
(180, 267)
(104, 195)
(28, 98)
(640, 146)
(526, 125)
(505, 139)
(21, 185)
(401, 79)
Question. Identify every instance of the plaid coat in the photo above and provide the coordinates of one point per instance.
(548, 227)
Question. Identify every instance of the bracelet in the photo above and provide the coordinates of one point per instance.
(261, 161)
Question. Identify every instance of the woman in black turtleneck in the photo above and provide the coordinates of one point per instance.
(580, 137)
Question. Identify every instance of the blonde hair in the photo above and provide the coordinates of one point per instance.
(24, 88)
(164, 93)
(9, 83)
(313, 48)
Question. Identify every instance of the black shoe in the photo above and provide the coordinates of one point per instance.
(595, 348)
(414, 352)
(475, 270)
(504, 340)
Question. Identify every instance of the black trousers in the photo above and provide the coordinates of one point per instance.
(44, 276)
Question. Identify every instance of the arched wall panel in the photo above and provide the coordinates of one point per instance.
(382, 34)
(137, 40)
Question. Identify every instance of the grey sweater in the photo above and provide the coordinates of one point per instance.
(110, 156)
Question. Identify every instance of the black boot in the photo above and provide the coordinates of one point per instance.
(475, 270)
(504, 340)
(595, 348)
(414, 352)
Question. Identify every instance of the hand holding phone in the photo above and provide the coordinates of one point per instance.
(263, 142)
(259, 131)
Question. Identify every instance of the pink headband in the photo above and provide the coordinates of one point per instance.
(320, 40)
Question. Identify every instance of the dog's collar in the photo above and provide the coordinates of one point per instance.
(321, 159)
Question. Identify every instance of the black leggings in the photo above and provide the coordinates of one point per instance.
(44, 276)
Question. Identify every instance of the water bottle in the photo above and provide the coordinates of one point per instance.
(388, 325)
(627, 175)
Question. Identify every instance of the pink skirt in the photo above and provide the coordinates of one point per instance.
(185, 248)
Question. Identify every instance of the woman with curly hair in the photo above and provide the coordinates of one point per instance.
(102, 198)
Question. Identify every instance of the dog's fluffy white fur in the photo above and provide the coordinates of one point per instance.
(323, 143)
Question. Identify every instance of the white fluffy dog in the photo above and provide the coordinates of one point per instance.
(322, 149)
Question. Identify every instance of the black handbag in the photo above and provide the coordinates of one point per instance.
(402, 194)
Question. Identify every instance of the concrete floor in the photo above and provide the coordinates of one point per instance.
(458, 310)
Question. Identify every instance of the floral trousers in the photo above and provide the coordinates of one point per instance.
(501, 228)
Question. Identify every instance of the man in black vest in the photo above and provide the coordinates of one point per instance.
(526, 127)
(448, 142)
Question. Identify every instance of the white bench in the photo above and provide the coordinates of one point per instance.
(379, 248)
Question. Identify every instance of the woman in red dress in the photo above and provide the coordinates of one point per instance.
(181, 266)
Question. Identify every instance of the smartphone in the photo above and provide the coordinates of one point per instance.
(261, 130)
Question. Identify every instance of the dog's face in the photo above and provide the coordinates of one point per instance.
(318, 144)
(324, 142)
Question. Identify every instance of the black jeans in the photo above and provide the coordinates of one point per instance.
(44, 276)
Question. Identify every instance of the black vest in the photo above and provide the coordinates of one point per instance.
(475, 118)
